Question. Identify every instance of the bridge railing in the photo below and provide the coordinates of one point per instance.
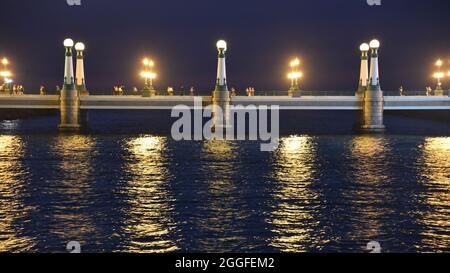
(257, 93)
(344, 93)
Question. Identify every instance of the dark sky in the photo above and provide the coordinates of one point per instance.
(180, 35)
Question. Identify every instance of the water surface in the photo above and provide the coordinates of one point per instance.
(143, 192)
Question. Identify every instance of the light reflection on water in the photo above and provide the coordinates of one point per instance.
(293, 216)
(435, 170)
(223, 203)
(68, 214)
(370, 194)
(12, 209)
(150, 194)
(148, 225)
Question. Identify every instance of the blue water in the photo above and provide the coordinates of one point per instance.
(123, 186)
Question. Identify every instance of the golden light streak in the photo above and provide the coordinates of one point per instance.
(12, 208)
(434, 168)
(148, 222)
(292, 223)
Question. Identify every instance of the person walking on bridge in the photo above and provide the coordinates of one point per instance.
(233, 92)
(42, 90)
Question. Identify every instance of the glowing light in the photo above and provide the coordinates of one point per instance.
(374, 44)
(5, 61)
(68, 42)
(148, 75)
(5, 74)
(295, 62)
(364, 47)
(295, 75)
(148, 62)
(222, 45)
(439, 63)
(294, 144)
(439, 75)
(79, 46)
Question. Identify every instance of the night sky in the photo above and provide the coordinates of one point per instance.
(180, 35)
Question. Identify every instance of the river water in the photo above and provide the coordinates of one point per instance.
(143, 192)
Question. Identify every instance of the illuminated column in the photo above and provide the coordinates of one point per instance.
(149, 76)
(221, 95)
(364, 74)
(439, 75)
(80, 80)
(68, 65)
(69, 98)
(5, 74)
(373, 104)
(294, 90)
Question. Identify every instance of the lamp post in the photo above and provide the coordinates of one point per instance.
(69, 82)
(294, 76)
(439, 75)
(5, 74)
(149, 76)
(80, 81)
(69, 96)
(373, 101)
(221, 83)
(221, 95)
(364, 73)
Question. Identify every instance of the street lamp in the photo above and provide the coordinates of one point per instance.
(69, 79)
(221, 80)
(5, 74)
(80, 81)
(294, 76)
(149, 76)
(364, 71)
(5, 62)
(439, 75)
(148, 63)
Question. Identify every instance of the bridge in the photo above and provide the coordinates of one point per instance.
(168, 102)
(369, 98)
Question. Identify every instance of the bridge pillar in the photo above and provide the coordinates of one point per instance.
(364, 74)
(80, 79)
(439, 91)
(221, 95)
(69, 98)
(373, 102)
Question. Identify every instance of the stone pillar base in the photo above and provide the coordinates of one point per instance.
(373, 111)
(373, 129)
(439, 92)
(69, 128)
(149, 93)
(221, 99)
(69, 108)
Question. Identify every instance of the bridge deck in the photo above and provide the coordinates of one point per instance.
(29, 102)
(285, 102)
